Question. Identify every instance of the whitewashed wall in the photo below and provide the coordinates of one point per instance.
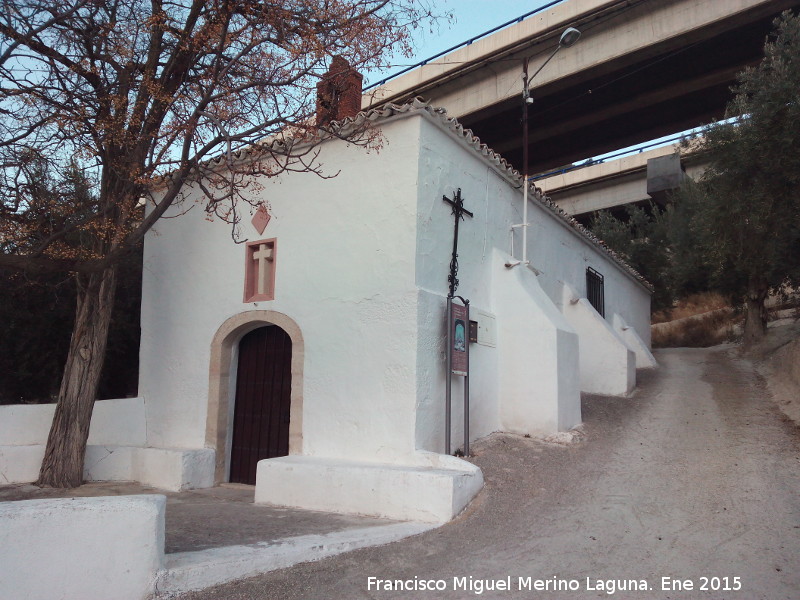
(557, 251)
(362, 264)
(119, 421)
(344, 274)
(555, 248)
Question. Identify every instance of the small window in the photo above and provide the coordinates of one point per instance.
(595, 292)
(259, 281)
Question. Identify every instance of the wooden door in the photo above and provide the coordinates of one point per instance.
(263, 398)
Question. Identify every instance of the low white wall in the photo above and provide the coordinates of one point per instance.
(25, 424)
(114, 451)
(109, 463)
(116, 425)
(172, 469)
(81, 548)
(607, 364)
(120, 422)
(20, 464)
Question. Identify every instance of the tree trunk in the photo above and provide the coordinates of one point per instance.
(62, 466)
(755, 323)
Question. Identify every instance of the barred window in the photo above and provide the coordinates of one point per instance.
(594, 291)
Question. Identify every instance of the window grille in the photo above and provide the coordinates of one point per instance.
(595, 292)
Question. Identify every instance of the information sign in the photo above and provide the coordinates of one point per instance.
(459, 324)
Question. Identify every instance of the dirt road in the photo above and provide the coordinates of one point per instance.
(695, 478)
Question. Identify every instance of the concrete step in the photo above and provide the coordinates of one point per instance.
(186, 571)
(434, 490)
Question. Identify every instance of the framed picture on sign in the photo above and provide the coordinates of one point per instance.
(459, 339)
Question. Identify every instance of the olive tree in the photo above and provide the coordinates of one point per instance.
(745, 209)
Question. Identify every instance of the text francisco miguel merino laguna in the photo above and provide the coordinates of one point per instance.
(553, 584)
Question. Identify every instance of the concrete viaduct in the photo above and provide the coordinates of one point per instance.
(642, 69)
(633, 179)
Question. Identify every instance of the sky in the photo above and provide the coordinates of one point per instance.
(470, 18)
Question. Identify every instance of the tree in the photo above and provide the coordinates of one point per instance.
(746, 206)
(663, 245)
(37, 312)
(138, 96)
(641, 239)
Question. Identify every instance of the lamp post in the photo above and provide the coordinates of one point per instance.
(567, 39)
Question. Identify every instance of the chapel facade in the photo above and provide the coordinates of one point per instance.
(310, 359)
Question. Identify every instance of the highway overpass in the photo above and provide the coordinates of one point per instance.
(641, 70)
(631, 179)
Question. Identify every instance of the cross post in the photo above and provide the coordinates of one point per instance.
(458, 211)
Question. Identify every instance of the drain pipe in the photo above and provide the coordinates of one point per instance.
(526, 100)
(567, 39)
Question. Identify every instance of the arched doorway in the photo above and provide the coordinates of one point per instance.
(262, 401)
(223, 381)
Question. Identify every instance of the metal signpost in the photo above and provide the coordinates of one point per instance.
(457, 332)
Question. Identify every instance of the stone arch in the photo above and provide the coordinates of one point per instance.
(221, 377)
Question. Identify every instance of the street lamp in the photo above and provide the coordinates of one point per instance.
(568, 38)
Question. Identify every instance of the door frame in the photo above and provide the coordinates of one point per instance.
(222, 382)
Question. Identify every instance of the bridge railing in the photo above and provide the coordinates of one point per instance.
(596, 161)
(463, 44)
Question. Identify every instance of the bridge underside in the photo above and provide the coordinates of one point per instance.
(674, 86)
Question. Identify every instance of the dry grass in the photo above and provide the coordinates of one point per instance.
(706, 319)
(698, 331)
(695, 304)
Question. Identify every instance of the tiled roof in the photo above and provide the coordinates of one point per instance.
(500, 163)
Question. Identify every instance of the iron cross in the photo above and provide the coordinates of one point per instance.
(459, 211)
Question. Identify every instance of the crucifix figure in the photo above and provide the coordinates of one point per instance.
(459, 211)
(264, 256)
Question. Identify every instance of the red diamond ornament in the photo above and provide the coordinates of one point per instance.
(260, 219)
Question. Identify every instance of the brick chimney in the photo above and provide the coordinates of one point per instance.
(338, 93)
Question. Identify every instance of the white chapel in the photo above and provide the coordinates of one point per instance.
(310, 360)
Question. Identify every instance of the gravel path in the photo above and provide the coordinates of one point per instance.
(696, 477)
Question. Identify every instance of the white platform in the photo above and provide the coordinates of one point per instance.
(172, 469)
(432, 494)
(107, 548)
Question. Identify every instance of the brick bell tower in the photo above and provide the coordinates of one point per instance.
(338, 92)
